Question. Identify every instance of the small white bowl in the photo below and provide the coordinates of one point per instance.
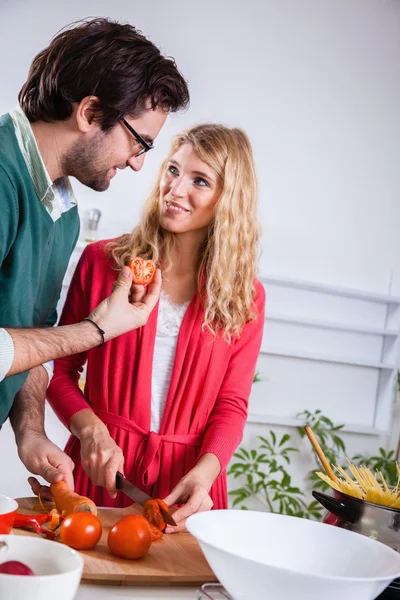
(57, 569)
(259, 556)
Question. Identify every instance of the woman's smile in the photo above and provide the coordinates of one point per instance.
(175, 208)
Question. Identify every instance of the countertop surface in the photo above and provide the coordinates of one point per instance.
(105, 592)
(108, 592)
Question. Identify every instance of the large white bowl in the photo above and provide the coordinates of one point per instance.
(58, 569)
(260, 556)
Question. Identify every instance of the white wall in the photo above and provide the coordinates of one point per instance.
(315, 83)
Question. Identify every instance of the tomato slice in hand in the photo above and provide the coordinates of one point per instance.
(143, 271)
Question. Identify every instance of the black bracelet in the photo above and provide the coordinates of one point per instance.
(100, 330)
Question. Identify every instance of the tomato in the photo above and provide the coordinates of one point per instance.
(153, 514)
(156, 534)
(130, 537)
(143, 271)
(81, 530)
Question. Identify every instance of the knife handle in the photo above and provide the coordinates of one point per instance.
(118, 480)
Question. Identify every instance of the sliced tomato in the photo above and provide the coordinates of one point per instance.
(156, 534)
(153, 514)
(143, 271)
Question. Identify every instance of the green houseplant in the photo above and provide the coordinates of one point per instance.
(264, 475)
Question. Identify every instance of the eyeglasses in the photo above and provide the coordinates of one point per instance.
(145, 146)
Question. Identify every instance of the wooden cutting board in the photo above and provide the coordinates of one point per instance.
(176, 559)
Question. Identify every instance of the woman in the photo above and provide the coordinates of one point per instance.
(167, 403)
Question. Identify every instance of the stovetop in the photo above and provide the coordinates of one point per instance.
(392, 592)
(215, 591)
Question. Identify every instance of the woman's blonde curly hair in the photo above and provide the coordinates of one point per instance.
(228, 258)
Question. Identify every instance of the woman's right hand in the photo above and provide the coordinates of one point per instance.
(101, 457)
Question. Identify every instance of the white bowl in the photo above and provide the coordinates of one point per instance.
(57, 569)
(260, 556)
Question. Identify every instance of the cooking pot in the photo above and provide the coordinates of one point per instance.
(372, 520)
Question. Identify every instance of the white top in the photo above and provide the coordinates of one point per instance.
(170, 317)
(6, 353)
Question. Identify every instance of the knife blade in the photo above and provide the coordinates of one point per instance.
(140, 497)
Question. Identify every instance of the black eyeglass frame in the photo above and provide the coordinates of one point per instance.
(145, 145)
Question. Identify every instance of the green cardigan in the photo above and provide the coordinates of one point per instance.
(34, 252)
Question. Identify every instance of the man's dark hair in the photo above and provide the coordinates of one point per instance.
(102, 58)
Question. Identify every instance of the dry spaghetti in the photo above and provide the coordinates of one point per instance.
(365, 485)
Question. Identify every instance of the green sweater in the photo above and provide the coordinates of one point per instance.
(34, 252)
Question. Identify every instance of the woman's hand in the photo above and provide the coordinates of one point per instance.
(101, 457)
(193, 491)
(195, 498)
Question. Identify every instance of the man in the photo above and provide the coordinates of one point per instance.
(94, 101)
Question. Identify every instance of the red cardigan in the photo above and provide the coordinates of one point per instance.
(206, 406)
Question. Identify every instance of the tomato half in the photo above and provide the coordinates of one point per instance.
(151, 510)
(156, 534)
(81, 530)
(130, 537)
(143, 271)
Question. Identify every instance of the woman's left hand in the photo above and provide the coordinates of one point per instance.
(193, 494)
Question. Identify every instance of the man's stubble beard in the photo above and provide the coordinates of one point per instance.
(82, 162)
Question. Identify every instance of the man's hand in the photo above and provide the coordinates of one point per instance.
(37, 488)
(41, 457)
(127, 308)
(124, 310)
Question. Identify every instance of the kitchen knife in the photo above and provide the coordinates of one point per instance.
(140, 497)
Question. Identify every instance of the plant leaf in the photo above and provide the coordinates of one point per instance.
(284, 439)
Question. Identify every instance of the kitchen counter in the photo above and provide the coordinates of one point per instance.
(109, 592)
(105, 592)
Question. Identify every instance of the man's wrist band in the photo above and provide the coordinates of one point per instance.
(99, 329)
